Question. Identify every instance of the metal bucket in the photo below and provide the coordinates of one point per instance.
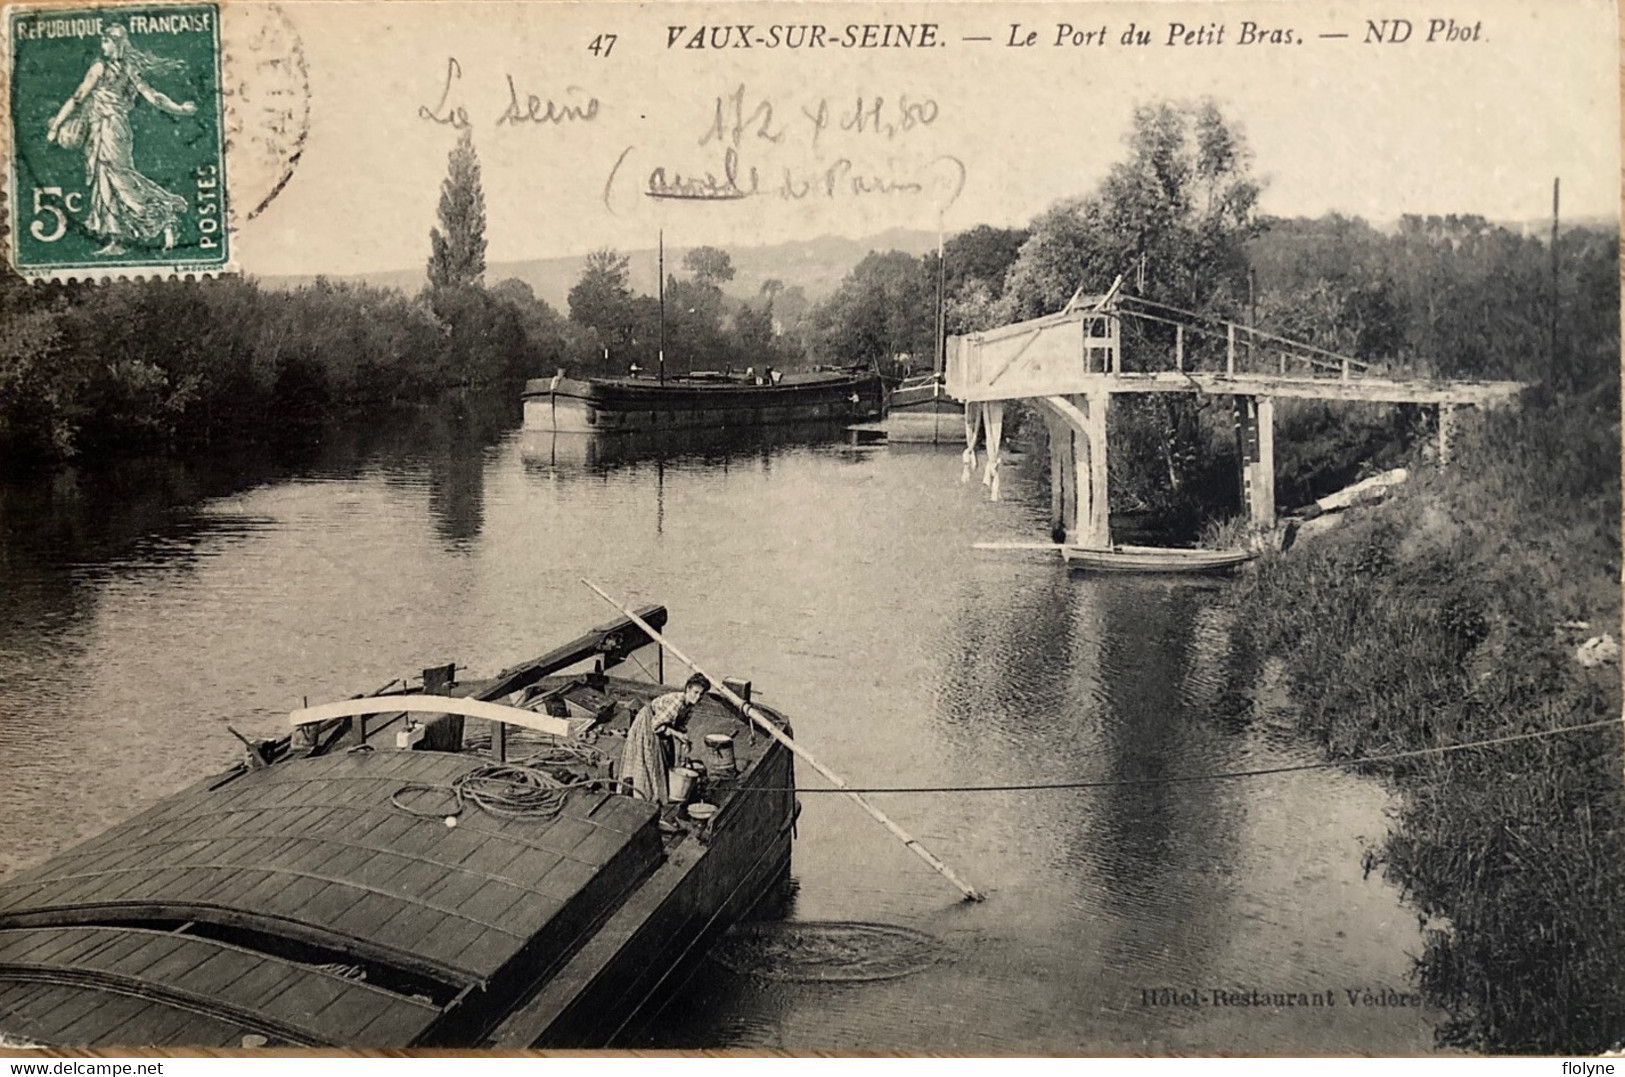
(680, 783)
(721, 747)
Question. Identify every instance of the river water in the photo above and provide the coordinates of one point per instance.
(148, 606)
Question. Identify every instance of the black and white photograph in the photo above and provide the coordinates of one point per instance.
(986, 529)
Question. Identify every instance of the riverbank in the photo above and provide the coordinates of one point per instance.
(95, 374)
(1453, 613)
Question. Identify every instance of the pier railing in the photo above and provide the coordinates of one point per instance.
(1129, 344)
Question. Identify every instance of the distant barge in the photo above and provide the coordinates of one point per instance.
(567, 405)
(920, 410)
(317, 896)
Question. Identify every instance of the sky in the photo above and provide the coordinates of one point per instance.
(851, 141)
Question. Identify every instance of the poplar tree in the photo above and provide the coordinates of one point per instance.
(457, 255)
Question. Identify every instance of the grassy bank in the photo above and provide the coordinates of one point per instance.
(1450, 614)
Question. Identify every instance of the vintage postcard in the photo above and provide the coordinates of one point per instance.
(970, 528)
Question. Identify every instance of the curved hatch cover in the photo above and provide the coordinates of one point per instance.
(222, 912)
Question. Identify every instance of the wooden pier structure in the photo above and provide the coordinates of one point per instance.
(1070, 365)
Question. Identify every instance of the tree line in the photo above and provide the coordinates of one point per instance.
(1176, 222)
(90, 369)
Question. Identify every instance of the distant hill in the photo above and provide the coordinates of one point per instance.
(817, 265)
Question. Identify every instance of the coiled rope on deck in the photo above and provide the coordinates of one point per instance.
(506, 790)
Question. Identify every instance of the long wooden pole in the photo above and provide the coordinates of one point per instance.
(767, 726)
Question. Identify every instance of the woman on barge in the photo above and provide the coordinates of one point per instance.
(651, 742)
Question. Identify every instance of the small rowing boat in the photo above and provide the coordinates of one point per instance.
(1153, 559)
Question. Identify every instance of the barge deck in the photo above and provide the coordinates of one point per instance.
(338, 890)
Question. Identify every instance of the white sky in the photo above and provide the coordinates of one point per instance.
(1367, 129)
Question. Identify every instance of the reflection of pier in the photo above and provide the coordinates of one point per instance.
(1070, 365)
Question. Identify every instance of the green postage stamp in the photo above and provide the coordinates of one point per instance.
(118, 162)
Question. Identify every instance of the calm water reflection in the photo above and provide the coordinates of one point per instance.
(146, 608)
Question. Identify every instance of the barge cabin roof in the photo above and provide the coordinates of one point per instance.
(297, 905)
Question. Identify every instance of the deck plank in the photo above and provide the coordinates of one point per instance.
(175, 967)
(265, 980)
(418, 879)
(394, 1027)
(452, 941)
(158, 1025)
(410, 924)
(491, 902)
(361, 920)
(58, 942)
(111, 958)
(15, 997)
(354, 1007)
(151, 952)
(45, 999)
(288, 895)
(329, 903)
(18, 945)
(493, 859)
(532, 866)
(302, 996)
(566, 879)
(83, 942)
(218, 968)
(454, 890)
(237, 889)
(108, 1011)
(77, 1006)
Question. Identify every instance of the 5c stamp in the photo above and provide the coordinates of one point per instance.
(115, 118)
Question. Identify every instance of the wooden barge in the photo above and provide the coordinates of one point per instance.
(351, 886)
(567, 405)
(920, 411)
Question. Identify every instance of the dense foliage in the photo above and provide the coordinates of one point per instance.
(1454, 614)
(700, 328)
(96, 369)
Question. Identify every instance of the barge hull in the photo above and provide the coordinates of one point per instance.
(653, 942)
(568, 406)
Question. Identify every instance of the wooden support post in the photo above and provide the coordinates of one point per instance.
(1230, 348)
(1069, 483)
(1447, 418)
(1259, 464)
(1058, 449)
(1094, 501)
(1179, 347)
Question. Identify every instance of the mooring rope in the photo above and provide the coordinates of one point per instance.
(506, 790)
(1186, 779)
